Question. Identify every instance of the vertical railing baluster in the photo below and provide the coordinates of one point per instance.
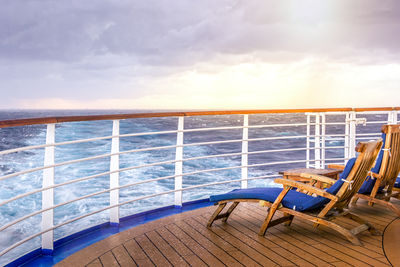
(392, 117)
(347, 137)
(48, 195)
(114, 177)
(245, 150)
(308, 140)
(394, 112)
(352, 135)
(317, 143)
(179, 163)
(323, 139)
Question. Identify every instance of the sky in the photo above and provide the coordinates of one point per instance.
(210, 54)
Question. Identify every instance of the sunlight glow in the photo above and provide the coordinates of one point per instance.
(303, 84)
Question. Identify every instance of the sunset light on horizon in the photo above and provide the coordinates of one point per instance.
(199, 55)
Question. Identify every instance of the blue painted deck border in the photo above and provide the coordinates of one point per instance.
(68, 245)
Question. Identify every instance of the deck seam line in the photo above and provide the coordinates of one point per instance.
(158, 232)
(144, 251)
(230, 252)
(193, 253)
(171, 246)
(123, 245)
(256, 261)
(186, 245)
(244, 244)
(200, 244)
(115, 257)
(211, 242)
(159, 248)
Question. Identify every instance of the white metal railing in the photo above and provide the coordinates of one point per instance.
(315, 139)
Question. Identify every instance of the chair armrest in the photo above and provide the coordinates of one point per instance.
(317, 177)
(305, 187)
(375, 175)
(336, 166)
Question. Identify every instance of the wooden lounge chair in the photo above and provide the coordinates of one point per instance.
(321, 207)
(379, 186)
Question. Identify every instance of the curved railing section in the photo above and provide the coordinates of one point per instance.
(258, 143)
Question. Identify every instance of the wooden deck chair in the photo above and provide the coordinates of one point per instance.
(379, 185)
(321, 207)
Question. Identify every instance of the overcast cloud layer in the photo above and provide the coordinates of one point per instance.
(97, 52)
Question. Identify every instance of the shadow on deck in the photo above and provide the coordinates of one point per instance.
(184, 240)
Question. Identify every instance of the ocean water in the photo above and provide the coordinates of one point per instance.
(33, 135)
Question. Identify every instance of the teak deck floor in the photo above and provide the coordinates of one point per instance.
(184, 240)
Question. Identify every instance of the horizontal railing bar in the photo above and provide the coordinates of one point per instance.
(332, 123)
(376, 122)
(363, 138)
(249, 140)
(368, 134)
(374, 111)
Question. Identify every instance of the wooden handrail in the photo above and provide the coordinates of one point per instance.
(59, 119)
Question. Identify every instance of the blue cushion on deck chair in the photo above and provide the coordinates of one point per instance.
(368, 185)
(293, 200)
(397, 183)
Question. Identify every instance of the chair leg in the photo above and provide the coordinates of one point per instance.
(272, 210)
(289, 221)
(364, 225)
(228, 213)
(215, 214)
(354, 200)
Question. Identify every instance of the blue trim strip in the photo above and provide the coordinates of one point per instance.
(68, 245)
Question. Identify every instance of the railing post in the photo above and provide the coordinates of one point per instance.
(392, 117)
(317, 143)
(245, 150)
(323, 139)
(308, 140)
(48, 195)
(352, 135)
(114, 177)
(179, 163)
(347, 138)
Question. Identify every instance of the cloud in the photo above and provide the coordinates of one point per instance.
(181, 32)
(94, 50)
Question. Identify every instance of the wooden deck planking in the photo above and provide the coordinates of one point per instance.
(122, 256)
(184, 240)
(108, 259)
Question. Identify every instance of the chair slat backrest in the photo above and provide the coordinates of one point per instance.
(368, 152)
(390, 167)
